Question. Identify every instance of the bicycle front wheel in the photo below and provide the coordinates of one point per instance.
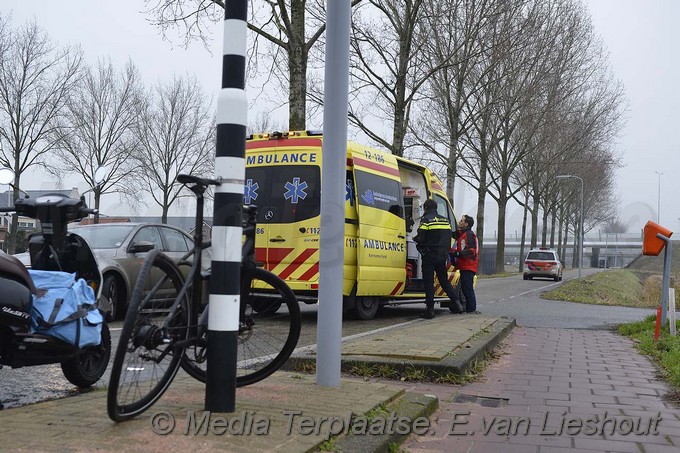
(152, 341)
(269, 329)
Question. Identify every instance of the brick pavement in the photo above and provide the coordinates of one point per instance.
(80, 423)
(557, 390)
(551, 390)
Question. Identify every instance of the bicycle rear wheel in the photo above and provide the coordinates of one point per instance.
(269, 330)
(148, 354)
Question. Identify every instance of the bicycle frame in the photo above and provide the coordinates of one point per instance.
(195, 276)
(172, 335)
(247, 260)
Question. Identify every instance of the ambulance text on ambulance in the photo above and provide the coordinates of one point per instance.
(285, 158)
(382, 245)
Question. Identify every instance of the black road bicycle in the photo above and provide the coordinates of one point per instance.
(167, 320)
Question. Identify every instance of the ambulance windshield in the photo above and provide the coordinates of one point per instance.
(285, 193)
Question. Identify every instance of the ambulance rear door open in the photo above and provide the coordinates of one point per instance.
(415, 193)
(381, 241)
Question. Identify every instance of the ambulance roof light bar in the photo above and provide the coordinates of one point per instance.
(288, 134)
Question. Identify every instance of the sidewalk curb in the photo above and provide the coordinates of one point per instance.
(410, 406)
(459, 361)
(462, 359)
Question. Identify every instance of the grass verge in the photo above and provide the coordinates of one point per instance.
(665, 352)
(616, 287)
(414, 373)
(499, 275)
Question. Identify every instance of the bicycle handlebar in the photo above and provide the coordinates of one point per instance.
(80, 212)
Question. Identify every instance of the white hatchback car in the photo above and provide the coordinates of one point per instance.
(543, 262)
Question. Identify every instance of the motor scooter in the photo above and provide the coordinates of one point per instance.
(52, 249)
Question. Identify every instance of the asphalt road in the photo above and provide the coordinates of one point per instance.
(509, 296)
(520, 299)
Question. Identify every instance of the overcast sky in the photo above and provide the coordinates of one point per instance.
(643, 39)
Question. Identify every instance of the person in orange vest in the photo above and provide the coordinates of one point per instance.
(465, 258)
(433, 241)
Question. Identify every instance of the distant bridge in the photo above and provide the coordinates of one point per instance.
(599, 250)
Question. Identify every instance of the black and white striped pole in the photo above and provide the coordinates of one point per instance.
(223, 318)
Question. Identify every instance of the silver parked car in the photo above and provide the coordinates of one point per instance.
(120, 249)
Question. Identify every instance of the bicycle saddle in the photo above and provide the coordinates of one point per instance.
(191, 179)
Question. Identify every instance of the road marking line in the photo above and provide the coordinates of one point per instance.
(537, 289)
(312, 347)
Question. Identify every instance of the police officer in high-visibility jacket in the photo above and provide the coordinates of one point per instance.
(433, 241)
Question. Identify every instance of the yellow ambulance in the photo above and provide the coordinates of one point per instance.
(383, 203)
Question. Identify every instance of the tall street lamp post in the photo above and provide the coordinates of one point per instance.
(580, 236)
(658, 199)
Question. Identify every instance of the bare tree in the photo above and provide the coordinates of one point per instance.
(615, 225)
(176, 133)
(98, 129)
(490, 75)
(263, 123)
(387, 69)
(451, 32)
(36, 78)
(543, 66)
(282, 25)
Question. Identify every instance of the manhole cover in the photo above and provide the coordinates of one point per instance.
(484, 401)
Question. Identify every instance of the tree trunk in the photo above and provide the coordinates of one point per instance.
(298, 56)
(481, 196)
(451, 168)
(574, 258)
(564, 241)
(560, 249)
(166, 207)
(500, 242)
(398, 132)
(14, 224)
(552, 230)
(524, 232)
(544, 229)
(534, 221)
(97, 197)
(399, 126)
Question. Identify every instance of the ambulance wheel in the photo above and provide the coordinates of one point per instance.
(87, 368)
(264, 304)
(365, 308)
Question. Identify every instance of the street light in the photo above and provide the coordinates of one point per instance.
(580, 236)
(658, 200)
